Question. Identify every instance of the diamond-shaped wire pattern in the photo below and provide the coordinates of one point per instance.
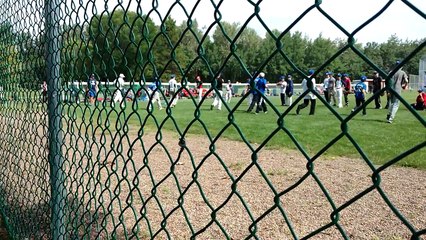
(116, 161)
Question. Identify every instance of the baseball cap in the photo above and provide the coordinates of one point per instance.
(172, 76)
(374, 72)
(420, 90)
(289, 76)
(397, 62)
(121, 75)
(363, 78)
(311, 71)
(339, 74)
(262, 74)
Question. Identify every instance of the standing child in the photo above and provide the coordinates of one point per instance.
(289, 91)
(359, 91)
(347, 88)
(154, 94)
(283, 86)
(228, 95)
(92, 89)
(172, 90)
(118, 93)
(217, 100)
(377, 86)
(339, 90)
(199, 84)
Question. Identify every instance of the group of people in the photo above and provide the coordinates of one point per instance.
(286, 87)
(335, 91)
(336, 87)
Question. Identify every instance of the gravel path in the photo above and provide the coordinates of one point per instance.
(306, 207)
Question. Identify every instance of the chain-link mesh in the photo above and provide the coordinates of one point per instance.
(76, 167)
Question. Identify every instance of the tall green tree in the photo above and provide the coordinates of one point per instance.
(192, 49)
(319, 51)
(249, 45)
(118, 42)
(219, 50)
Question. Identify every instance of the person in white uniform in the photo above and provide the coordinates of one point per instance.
(118, 93)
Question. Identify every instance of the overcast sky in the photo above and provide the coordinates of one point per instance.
(398, 19)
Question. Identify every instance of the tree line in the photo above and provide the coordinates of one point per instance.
(132, 44)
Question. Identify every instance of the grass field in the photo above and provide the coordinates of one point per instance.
(282, 128)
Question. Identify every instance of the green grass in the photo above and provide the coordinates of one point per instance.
(379, 141)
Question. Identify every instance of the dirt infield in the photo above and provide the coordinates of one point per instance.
(140, 195)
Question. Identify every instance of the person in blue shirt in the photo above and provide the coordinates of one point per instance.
(360, 90)
(92, 88)
(154, 94)
(257, 95)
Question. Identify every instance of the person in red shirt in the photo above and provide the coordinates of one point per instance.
(420, 101)
(347, 88)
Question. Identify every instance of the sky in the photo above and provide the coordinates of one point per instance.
(398, 19)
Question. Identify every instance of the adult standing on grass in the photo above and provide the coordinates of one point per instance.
(283, 87)
(228, 94)
(339, 90)
(92, 88)
(360, 90)
(172, 90)
(377, 86)
(310, 97)
(289, 91)
(199, 86)
(331, 89)
(397, 82)
(118, 93)
(217, 100)
(258, 95)
(347, 88)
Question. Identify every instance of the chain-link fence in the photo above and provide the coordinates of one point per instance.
(103, 159)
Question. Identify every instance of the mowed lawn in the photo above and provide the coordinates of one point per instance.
(330, 133)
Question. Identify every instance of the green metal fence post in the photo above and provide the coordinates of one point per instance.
(53, 37)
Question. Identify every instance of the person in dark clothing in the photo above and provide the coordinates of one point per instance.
(217, 100)
(289, 91)
(310, 97)
(377, 86)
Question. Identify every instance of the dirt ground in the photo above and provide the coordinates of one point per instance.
(156, 189)
(3, 232)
